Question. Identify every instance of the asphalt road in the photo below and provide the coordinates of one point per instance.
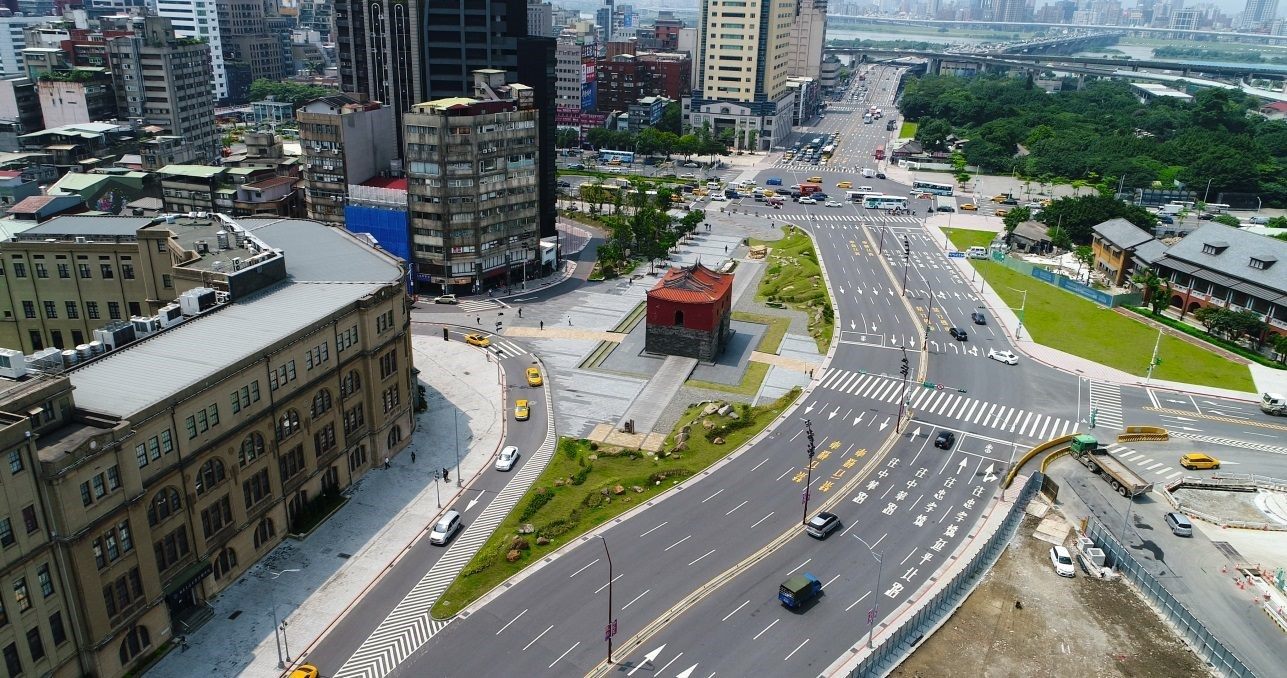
(347, 635)
(697, 573)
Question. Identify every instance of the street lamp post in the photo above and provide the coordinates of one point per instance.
(1019, 330)
(455, 420)
(279, 627)
(905, 369)
(611, 629)
(907, 258)
(875, 606)
(1207, 192)
(808, 432)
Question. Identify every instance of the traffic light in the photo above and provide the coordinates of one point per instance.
(907, 247)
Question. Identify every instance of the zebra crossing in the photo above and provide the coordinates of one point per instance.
(506, 348)
(480, 305)
(1230, 442)
(409, 626)
(1106, 400)
(801, 166)
(949, 404)
(848, 220)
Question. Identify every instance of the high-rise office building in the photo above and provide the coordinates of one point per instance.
(744, 51)
(200, 19)
(165, 80)
(540, 18)
(433, 54)
(345, 141)
(1259, 14)
(808, 37)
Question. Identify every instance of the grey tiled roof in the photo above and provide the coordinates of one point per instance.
(1234, 260)
(1122, 233)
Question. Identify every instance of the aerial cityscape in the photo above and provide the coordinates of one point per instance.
(597, 338)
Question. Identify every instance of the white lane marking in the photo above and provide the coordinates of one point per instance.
(663, 524)
(678, 543)
(547, 630)
(582, 569)
(565, 653)
(520, 614)
(730, 614)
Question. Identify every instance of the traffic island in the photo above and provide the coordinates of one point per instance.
(587, 484)
(794, 280)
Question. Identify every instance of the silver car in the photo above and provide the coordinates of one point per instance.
(446, 528)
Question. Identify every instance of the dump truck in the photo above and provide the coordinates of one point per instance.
(1273, 403)
(1086, 449)
(798, 590)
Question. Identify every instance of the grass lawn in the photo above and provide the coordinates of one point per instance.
(964, 239)
(586, 485)
(908, 130)
(794, 279)
(1065, 321)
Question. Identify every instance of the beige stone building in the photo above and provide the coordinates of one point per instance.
(144, 480)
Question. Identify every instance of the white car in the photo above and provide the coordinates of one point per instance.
(718, 197)
(1062, 560)
(446, 528)
(688, 175)
(806, 200)
(691, 164)
(1003, 356)
(834, 203)
(507, 458)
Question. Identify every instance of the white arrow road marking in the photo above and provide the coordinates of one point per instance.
(686, 672)
(885, 423)
(858, 418)
(648, 659)
(833, 413)
(809, 408)
(988, 475)
(961, 467)
(470, 505)
(852, 325)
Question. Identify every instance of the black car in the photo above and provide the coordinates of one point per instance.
(978, 318)
(880, 175)
(958, 334)
(565, 184)
(820, 196)
(822, 525)
(945, 440)
(1010, 201)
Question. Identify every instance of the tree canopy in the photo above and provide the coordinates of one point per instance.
(1103, 131)
(293, 92)
(1071, 219)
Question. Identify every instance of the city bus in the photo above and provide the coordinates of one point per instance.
(932, 187)
(622, 157)
(880, 152)
(884, 202)
(827, 151)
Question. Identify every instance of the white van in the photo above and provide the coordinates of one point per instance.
(865, 189)
(868, 172)
(977, 252)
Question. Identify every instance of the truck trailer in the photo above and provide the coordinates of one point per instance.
(798, 590)
(1087, 450)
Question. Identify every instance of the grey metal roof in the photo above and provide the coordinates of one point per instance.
(1032, 230)
(155, 369)
(1122, 233)
(1150, 251)
(317, 252)
(1235, 260)
(88, 226)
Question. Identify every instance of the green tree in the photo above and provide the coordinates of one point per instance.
(672, 118)
(1227, 220)
(1075, 217)
(1277, 222)
(933, 134)
(567, 137)
(1148, 280)
(292, 92)
(1014, 217)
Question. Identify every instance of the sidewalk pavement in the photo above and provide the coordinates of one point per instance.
(321, 576)
(1023, 342)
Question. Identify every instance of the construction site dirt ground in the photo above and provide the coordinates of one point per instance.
(1082, 626)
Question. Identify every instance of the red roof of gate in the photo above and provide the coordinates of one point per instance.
(695, 284)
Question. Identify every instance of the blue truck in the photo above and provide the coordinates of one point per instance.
(798, 590)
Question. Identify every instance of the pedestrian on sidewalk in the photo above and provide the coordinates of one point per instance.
(445, 477)
(478, 319)
(520, 312)
(569, 321)
(386, 463)
(413, 454)
(542, 325)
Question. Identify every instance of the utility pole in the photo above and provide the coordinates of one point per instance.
(1154, 361)
(808, 432)
(902, 399)
(907, 258)
(611, 629)
(875, 603)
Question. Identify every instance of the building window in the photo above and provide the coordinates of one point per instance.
(291, 463)
(171, 549)
(251, 447)
(35, 645)
(287, 425)
(19, 269)
(91, 310)
(15, 461)
(29, 309)
(384, 321)
(281, 376)
(51, 310)
(72, 311)
(41, 271)
(29, 519)
(46, 580)
(114, 310)
(321, 403)
(391, 398)
(64, 271)
(354, 419)
(11, 661)
(256, 489)
(106, 270)
(210, 475)
(20, 595)
(264, 532)
(83, 270)
(215, 517)
(317, 356)
(388, 363)
(324, 440)
(56, 629)
(6, 532)
(350, 384)
(135, 642)
(346, 338)
(225, 563)
(127, 271)
(357, 458)
(166, 504)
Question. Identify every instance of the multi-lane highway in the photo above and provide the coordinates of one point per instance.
(695, 574)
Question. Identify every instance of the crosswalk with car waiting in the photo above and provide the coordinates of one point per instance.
(949, 404)
(844, 220)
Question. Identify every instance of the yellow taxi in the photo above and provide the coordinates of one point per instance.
(534, 376)
(1047, 202)
(814, 180)
(1001, 212)
(477, 340)
(1197, 460)
(970, 207)
(700, 191)
(769, 193)
(675, 197)
(304, 671)
(845, 184)
(1000, 198)
(521, 410)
